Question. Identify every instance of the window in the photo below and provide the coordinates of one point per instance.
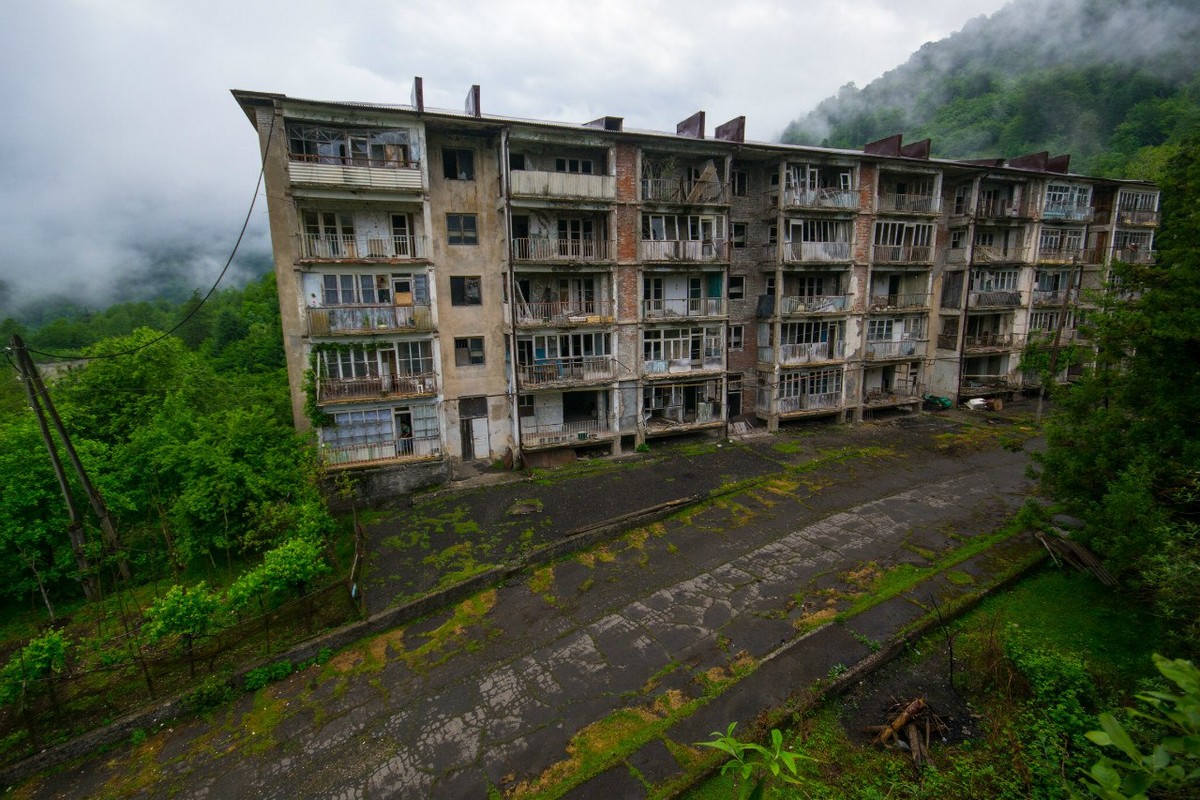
(737, 337)
(741, 183)
(739, 235)
(958, 239)
(462, 229)
(770, 285)
(466, 291)
(458, 165)
(772, 234)
(737, 287)
(580, 166)
(516, 161)
(468, 351)
(525, 405)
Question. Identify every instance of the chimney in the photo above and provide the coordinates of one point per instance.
(692, 127)
(472, 104)
(418, 94)
(732, 131)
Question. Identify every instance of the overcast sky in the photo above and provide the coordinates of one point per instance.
(124, 148)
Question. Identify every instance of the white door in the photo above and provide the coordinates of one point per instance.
(479, 438)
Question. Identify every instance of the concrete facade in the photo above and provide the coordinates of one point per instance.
(459, 287)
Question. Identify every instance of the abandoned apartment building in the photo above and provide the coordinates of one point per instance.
(457, 287)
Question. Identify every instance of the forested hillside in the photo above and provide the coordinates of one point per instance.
(1108, 81)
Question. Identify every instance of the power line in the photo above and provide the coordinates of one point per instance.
(203, 300)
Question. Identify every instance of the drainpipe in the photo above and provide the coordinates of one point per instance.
(512, 389)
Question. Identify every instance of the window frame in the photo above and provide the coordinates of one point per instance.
(452, 164)
(473, 347)
(460, 290)
(458, 232)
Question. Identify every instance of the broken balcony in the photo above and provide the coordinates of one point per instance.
(552, 250)
(993, 298)
(802, 353)
(822, 401)
(814, 304)
(694, 307)
(350, 247)
(896, 301)
(814, 252)
(352, 157)
(684, 250)
(380, 449)
(901, 254)
(357, 320)
(570, 371)
(678, 407)
(695, 182)
(564, 313)
(376, 386)
(536, 435)
(991, 342)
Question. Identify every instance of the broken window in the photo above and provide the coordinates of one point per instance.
(458, 164)
(347, 147)
(466, 291)
(468, 351)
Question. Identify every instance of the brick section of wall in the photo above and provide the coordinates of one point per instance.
(627, 293)
(628, 223)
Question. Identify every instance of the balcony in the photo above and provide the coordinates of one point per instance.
(1001, 209)
(684, 250)
(991, 342)
(1136, 217)
(827, 401)
(802, 353)
(830, 198)
(1068, 211)
(898, 302)
(680, 190)
(987, 254)
(338, 247)
(820, 252)
(537, 435)
(564, 314)
(901, 254)
(664, 367)
(1065, 255)
(683, 307)
(367, 319)
(375, 387)
(947, 341)
(973, 385)
(995, 298)
(1134, 255)
(379, 450)
(355, 171)
(815, 304)
(905, 348)
(908, 203)
(565, 251)
(1055, 297)
(547, 372)
(891, 398)
(562, 185)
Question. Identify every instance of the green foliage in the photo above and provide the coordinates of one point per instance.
(289, 568)
(43, 658)
(213, 692)
(186, 613)
(1172, 763)
(259, 677)
(751, 760)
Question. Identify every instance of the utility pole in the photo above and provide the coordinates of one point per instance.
(42, 405)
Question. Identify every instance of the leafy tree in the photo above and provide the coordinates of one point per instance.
(186, 613)
(36, 666)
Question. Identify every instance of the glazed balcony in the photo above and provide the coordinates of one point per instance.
(827, 401)
(828, 198)
(375, 387)
(355, 171)
(818, 252)
(684, 250)
(991, 342)
(359, 320)
(683, 307)
(901, 254)
(1129, 216)
(350, 247)
(817, 304)
(573, 371)
(802, 353)
(562, 185)
(537, 435)
(892, 202)
(904, 348)
(993, 298)
(561, 251)
(898, 302)
(381, 450)
(564, 314)
(683, 191)
(1134, 255)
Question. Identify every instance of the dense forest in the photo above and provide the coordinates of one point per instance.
(1109, 82)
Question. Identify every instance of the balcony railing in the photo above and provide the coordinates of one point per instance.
(810, 402)
(817, 251)
(905, 348)
(1000, 209)
(381, 450)
(900, 254)
(1055, 297)
(994, 298)
(1134, 255)
(897, 395)
(563, 433)
(821, 198)
(577, 369)
(802, 353)
(335, 390)
(684, 307)
(980, 384)
(986, 254)
(893, 302)
(679, 190)
(992, 341)
(1072, 212)
(1062, 255)
(1136, 217)
(350, 246)
(372, 173)
(362, 319)
(684, 250)
(549, 249)
(674, 366)
(817, 304)
(570, 185)
(565, 313)
(909, 203)
(947, 341)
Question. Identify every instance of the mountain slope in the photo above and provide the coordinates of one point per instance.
(1105, 80)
